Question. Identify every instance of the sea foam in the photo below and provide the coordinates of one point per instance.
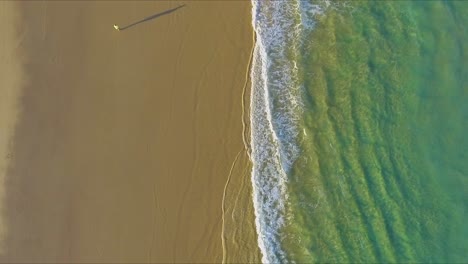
(276, 107)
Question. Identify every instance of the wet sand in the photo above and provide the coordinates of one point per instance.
(125, 140)
(10, 83)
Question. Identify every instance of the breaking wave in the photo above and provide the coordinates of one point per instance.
(276, 108)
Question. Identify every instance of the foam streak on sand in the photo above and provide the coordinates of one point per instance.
(109, 162)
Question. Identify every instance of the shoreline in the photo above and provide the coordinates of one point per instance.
(239, 192)
(103, 168)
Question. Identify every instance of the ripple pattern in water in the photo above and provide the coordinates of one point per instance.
(382, 171)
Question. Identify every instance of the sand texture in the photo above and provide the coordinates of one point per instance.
(124, 140)
(11, 81)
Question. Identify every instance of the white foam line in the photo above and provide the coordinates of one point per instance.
(275, 106)
(268, 220)
(271, 153)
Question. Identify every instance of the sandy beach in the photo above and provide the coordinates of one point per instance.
(121, 142)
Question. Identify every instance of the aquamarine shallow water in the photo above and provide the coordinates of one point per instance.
(379, 115)
(383, 172)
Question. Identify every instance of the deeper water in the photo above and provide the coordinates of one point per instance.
(359, 126)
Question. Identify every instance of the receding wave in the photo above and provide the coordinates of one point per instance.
(276, 107)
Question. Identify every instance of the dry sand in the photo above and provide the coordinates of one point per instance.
(125, 139)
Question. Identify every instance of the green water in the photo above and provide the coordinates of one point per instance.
(383, 174)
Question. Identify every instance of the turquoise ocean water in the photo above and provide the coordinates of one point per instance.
(359, 131)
